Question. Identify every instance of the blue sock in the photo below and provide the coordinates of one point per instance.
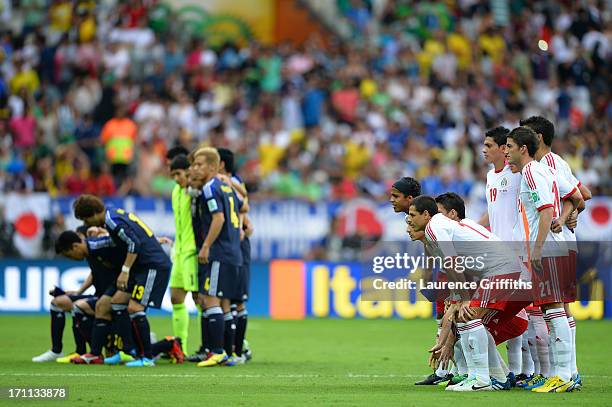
(216, 328)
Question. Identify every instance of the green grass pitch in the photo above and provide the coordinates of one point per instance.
(314, 362)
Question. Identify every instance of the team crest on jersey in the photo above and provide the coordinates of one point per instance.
(504, 182)
(534, 196)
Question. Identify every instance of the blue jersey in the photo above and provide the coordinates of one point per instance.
(105, 260)
(131, 234)
(199, 233)
(218, 197)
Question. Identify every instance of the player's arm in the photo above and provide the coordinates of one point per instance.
(546, 216)
(88, 282)
(218, 219)
(484, 220)
(125, 233)
(213, 203)
(585, 191)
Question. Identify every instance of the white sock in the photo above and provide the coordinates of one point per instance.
(572, 324)
(527, 365)
(495, 360)
(462, 367)
(513, 347)
(533, 348)
(542, 337)
(474, 342)
(561, 341)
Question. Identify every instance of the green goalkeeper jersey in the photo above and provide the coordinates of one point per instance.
(184, 241)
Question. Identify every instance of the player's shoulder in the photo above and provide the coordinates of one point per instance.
(439, 220)
(211, 187)
(237, 178)
(113, 216)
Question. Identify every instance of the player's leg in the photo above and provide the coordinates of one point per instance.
(219, 286)
(229, 332)
(154, 283)
(180, 314)
(198, 297)
(59, 306)
(241, 326)
(171, 346)
(527, 364)
(122, 326)
(560, 334)
(571, 296)
(515, 357)
(475, 345)
(100, 331)
(82, 326)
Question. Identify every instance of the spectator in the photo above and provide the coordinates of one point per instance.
(119, 137)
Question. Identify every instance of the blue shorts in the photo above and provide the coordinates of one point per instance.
(219, 280)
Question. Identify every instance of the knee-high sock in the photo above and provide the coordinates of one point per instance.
(561, 341)
(474, 343)
(123, 327)
(513, 347)
(229, 334)
(439, 371)
(533, 349)
(216, 329)
(205, 347)
(101, 330)
(180, 322)
(552, 370)
(58, 322)
(241, 326)
(574, 365)
(143, 332)
(460, 362)
(82, 325)
(495, 361)
(527, 366)
(542, 338)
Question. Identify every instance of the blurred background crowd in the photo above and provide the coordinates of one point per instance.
(93, 94)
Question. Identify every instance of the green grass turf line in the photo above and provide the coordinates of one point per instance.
(314, 362)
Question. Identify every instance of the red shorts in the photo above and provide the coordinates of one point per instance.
(555, 283)
(499, 297)
(510, 328)
(439, 307)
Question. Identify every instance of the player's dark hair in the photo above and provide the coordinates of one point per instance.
(525, 136)
(86, 206)
(227, 157)
(450, 201)
(180, 162)
(176, 151)
(542, 126)
(408, 186)
(65, 241)
(498, 134)
(424, 203)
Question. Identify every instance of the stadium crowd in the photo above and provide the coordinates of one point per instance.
(93, 94)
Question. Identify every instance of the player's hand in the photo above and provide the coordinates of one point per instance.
(465, 313)
(165, 240)
(445, 355)
(572, 220)
(122, 281)
(96, 231)
(556, 226)
(242, 234)
(203, 255)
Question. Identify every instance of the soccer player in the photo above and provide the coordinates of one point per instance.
(502, 190)
(105, 266)
(545, 131)
(82, 319)
(183, 278)
(219, 256)
(227, 171)
(540, 203)
(402, 193)
(144, 274)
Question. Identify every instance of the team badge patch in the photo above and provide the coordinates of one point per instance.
(212, 205)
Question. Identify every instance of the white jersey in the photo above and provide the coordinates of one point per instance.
(469, 239)
(540, 189)
(502, 202)
(563, 171)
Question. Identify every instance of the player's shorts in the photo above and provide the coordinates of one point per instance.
(110, 290)
(185, 272)
(148, 287)
(90, 299)
(554, 283)
(219, 280)
(572, 267)
(508, 329)
(495, 296)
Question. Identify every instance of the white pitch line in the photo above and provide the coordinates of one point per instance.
(238, 376)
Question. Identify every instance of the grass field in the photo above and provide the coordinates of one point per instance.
(315, 362)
